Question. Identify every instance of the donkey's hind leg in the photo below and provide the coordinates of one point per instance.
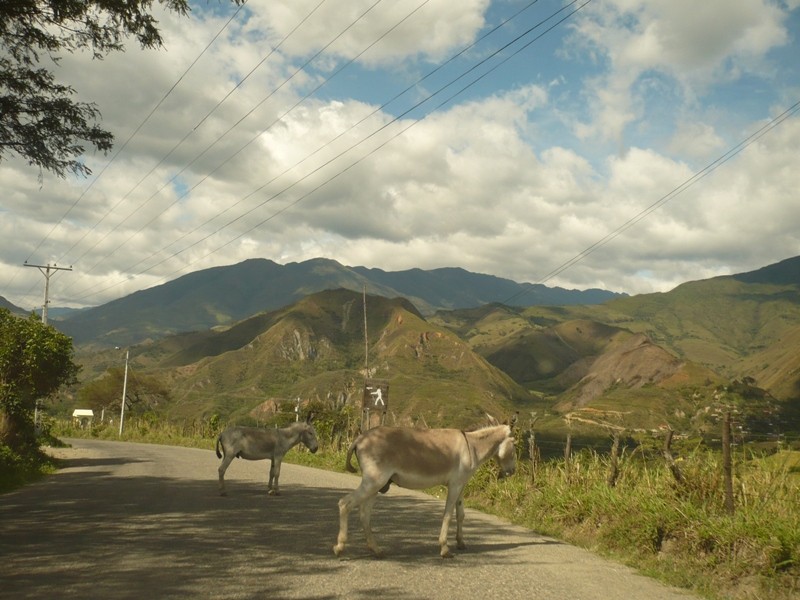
(460, 523)
(274, 475)
(365, 512)
(226, 461)
(363, 494)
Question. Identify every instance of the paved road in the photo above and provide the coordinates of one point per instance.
(142, 521)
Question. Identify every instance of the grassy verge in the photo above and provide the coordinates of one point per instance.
(18, 469)
(679, 533)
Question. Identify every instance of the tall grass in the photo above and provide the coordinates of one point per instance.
(681, 534)
(678, 533)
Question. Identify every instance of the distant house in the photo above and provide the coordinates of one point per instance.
(83, 416)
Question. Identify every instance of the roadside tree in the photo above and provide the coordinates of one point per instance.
(35, 361)
(143, 393)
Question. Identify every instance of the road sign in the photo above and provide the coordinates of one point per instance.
(375, 403)
(376, 394)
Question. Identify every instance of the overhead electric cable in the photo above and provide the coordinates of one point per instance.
(337, 136)
(217, 140)
(274, 122)
(417, 105)
(124, 145)
(731, 153)
(359, 160)
(430, 73)
(181, 141)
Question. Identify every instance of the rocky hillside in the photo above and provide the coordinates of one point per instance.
(658, 357)
(646, 362)
(314, 349)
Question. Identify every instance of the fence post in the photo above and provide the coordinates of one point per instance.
(533, 453)
(667, 453)
(614, 473)
(727, 462)
(567, 455)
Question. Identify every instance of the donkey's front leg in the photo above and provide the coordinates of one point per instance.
(345, 504)
(274, 474)
(452, 497)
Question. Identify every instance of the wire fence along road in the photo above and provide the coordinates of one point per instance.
(139, 521)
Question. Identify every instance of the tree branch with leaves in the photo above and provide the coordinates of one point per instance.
(39, 120)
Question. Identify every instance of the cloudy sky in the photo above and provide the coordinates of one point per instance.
(647, 138)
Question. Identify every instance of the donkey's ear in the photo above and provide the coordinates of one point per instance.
(310, 417)
(492, 420)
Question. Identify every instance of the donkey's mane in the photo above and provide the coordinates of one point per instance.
(484, 429)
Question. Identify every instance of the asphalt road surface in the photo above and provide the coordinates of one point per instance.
(146, 522)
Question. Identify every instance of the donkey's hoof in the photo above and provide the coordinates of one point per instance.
(338, 549)
(445, 553)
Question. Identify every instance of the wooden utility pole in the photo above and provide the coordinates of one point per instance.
(46, 271)
(667, 454)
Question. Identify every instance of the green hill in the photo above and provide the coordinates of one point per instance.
(654, 357)
(643, 362)
(314, 350)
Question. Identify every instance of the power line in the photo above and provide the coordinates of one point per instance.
(336, 137)
(183, 139)
(120, 150)
(131, 136)
(397, 118)
(430, 73)
(702, 173)
(219, 138)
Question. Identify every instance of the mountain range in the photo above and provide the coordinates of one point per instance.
(221, 296)
(642, 362)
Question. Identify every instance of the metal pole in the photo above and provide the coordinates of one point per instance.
(124, 391)
(366, 339)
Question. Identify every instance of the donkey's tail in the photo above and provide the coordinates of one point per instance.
(219, 454)
(348, 465)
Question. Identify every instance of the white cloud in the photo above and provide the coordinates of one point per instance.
(494, 182)
(694, 44)
(696, 140)
(430, 29)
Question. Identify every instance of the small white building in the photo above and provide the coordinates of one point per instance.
(83, 416)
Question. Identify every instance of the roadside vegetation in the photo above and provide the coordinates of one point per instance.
(35, 361)
(678, 531)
